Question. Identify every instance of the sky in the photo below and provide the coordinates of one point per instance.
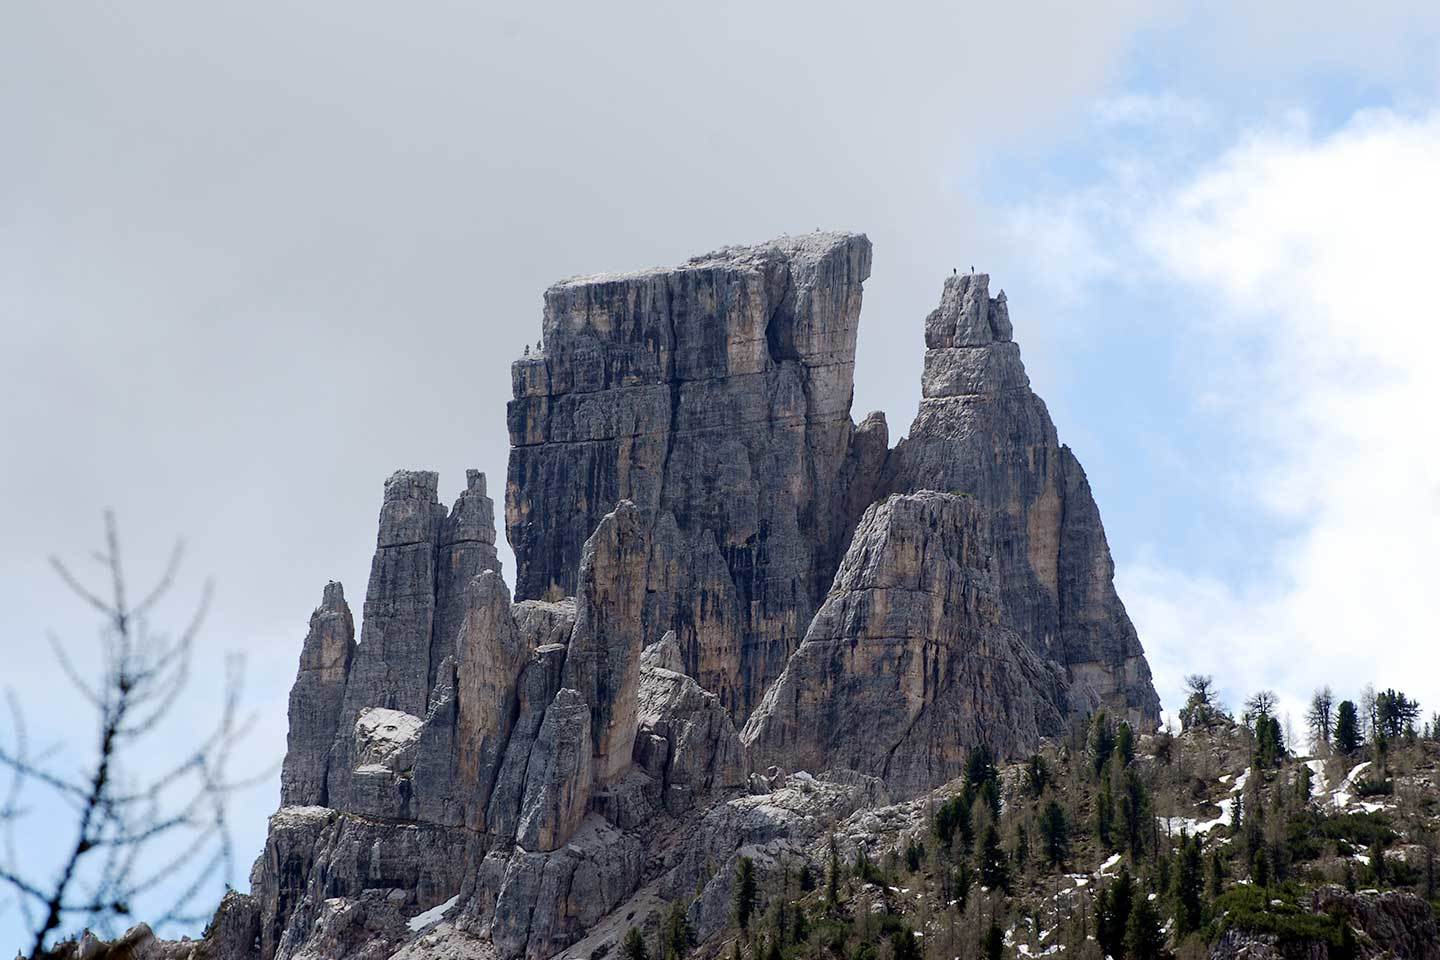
(254, 258)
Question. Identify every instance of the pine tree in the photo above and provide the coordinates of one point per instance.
(992, 945)
(832, 882)
(1105, 816)
(1216, 878)
(745, 892)
(1055, 834)
(1125, 743)
(1102, 743)
(1377, 861)
(1189, 885)
(1143, 937)
(676, 934)
(633, 947)
(1134, 808)
(1112, 913)
(904, 946)
(994, 872)
(1260, 867)
(1037, 776)
(1347, 727)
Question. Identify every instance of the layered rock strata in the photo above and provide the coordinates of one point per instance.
(716, 397)
(982, 431)
(909, 662)
(703, 538)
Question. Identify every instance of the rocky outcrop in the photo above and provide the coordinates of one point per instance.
(316, 700)
(982, 431)
(490, 658)
(539, 683)
(558, 777)
(909, 663)
(1392, 924)
(687, 743)
(603, 664)
(466, 549)
(698, 542)
(716, 393)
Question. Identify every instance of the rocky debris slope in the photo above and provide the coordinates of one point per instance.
(909, 663)
(688, 500)
(981, 430)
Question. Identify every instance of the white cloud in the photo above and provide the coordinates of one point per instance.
(1308, 261)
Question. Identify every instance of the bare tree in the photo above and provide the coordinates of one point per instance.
(1321, 716)
(149, 821)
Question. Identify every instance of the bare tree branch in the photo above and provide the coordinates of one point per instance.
(133, 837)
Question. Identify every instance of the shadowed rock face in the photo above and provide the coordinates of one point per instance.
(909, 662)
(716, 397)
(982, 431)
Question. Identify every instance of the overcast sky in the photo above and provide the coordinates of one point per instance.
(254, 258)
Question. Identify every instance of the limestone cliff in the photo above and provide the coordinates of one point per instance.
(703, 538)
(981, 430)
(716, 397)
(909, 662)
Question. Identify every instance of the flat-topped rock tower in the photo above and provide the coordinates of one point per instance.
(738, 616)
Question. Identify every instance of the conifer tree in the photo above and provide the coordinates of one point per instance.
(1102, 743)
(1347, 727)
(1105, 816)
(1125, 744)
(1055, 834)
(1112, 913)
(745, 892)
(1216, 879)
(1134, 807)
(1189, 885)
(832, 882)
(994, 871)
(992, 945)
(633, 947)
(1144, 939)
(676, 934)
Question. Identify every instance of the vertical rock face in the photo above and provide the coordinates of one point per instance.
(490, 659)
(982, 431)
(392, 664)
(716, 393)
(559, 776)
(603, 664)
(909, 662)
(466, 549)
(316, 700)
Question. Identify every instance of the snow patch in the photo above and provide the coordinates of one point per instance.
(422, 920)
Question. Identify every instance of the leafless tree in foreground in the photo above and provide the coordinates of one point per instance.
(148, 813)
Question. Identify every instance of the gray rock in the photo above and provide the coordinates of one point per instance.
(316, 700)
(980, 430)
(909, 663)
(466, 549)
(490, 657)
(539, 683)
(663, 654)
(688, 741)
(717, 392)
(548, 900)
(543, 624)
(391, 667)
(603, 663)
(558, 777)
